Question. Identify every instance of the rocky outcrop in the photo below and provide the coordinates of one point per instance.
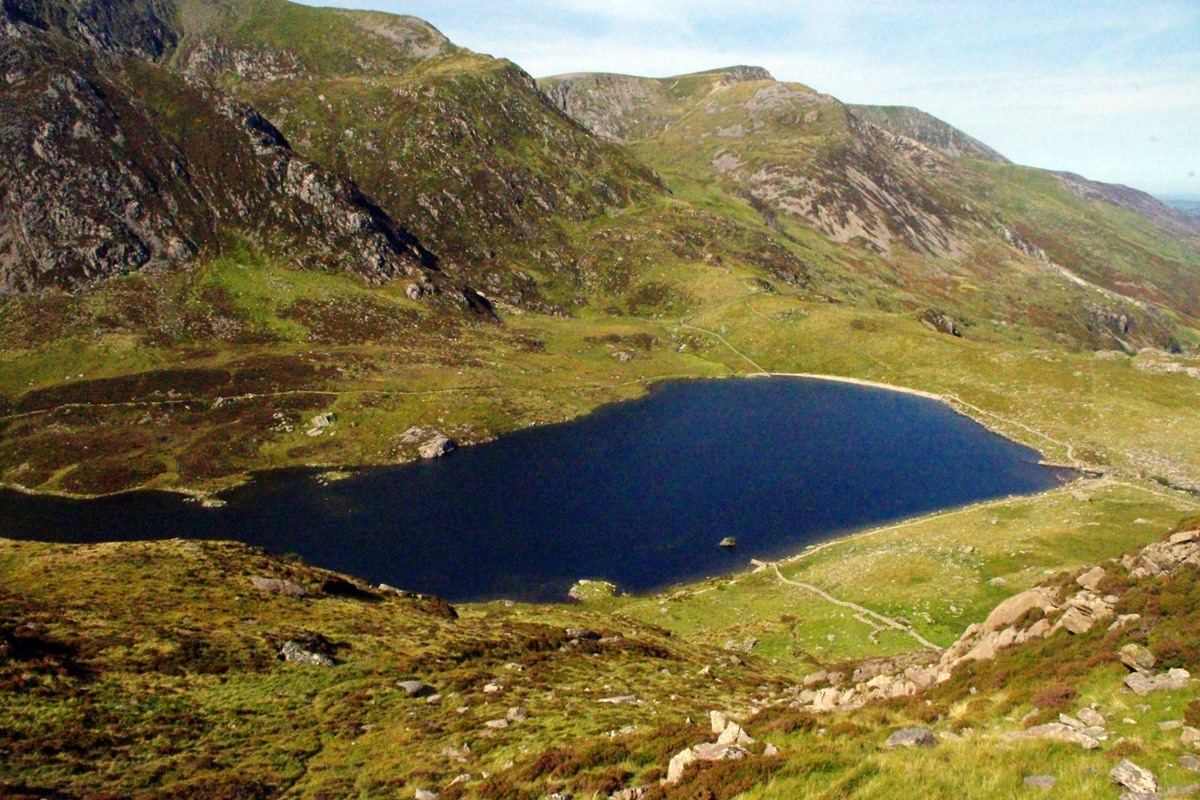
(111, 165)
(927, 129)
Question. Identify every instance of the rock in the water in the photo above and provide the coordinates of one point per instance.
(1142, 685)
(412, 688)
(1137, 658)
(1134, 778)
(1041, 781)
(588, 590)
(276, 586)
(436, 447)
(728, 541)
(297, 653)
(911, 737)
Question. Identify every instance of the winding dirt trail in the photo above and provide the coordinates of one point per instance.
(866, 612)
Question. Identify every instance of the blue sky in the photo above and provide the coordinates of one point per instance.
(1110, 90)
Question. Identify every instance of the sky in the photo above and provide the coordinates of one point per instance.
(1110, 90)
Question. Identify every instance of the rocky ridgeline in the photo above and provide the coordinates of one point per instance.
(1033, 614)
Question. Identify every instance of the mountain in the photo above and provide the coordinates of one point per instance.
(893, 184)
(112, 165)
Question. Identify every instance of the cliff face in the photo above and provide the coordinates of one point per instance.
(915, 124)
(111, 164)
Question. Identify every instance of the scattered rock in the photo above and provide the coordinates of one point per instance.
(517, 714)
(1189, 737)
(678, 764)
(718, 721)
(1142, 685)
(733, 734)
(425, 794)
(297, 653)
(1189, 763)
(1057, 732)
(436, 447)
(1092, 578)
(412, 688)
(1124, 620)
(491, 688)
(1137, 658)
(1134, 778)
(620, 700)
(496, 724)
(911, 737)
(630, 793)
(770, 750)
(1185, 537)
(433, 699)
(1091, 717)
(1041, 781)
(276, 586)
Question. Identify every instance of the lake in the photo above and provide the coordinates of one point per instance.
(638, 493)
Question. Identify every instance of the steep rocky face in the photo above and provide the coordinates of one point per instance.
(112, 164)
(141, 28)
(1132, 199)
(927, 129)
(783, 146)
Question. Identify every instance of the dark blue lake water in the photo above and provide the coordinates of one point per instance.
(638, 493)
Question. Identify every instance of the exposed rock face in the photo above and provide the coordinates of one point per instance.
(436, 447)
(276, 586)
(111, 165)
(927, 129)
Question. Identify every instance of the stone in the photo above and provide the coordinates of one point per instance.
(297, 653)
(1189, 763)
(1092, 578)
(718, 721)
(436, 447)
(1124, 620)
(589, 590)
(425, 794)
(619, 700)
(733, 734)
(517, 714)
(585, 633)
(1017, 606)
(720, 752)
(1185, 537)
(1142, 685)
(491, 688)
(1041, 781)
(826, 699)
(770, 750)
(276, 586)
(1057, 732)
(911, 737)
(433, 699)
(496, 724)
(412, 688)
(1189, 736)
(1134, 778)
(1137, 658)
(1091, 717)
(629, 793)
(1071, 722)
(678, 764)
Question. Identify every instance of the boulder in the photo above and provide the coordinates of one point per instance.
(719, 721)
(436, 447)
(1142, 685)
(1058, 732)
(720, 752)
(297, 653)
(911, 737)
(517, 714)
(1185, 537)
(425, 794)
(733, 734)
(1190, 763)
(412, 688)
(1017, 606)
(1137, 658)
(1189, 737)
(1091, 718)
(1134, 778)
(1091, 579)
(276, 586)
(678, 764)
